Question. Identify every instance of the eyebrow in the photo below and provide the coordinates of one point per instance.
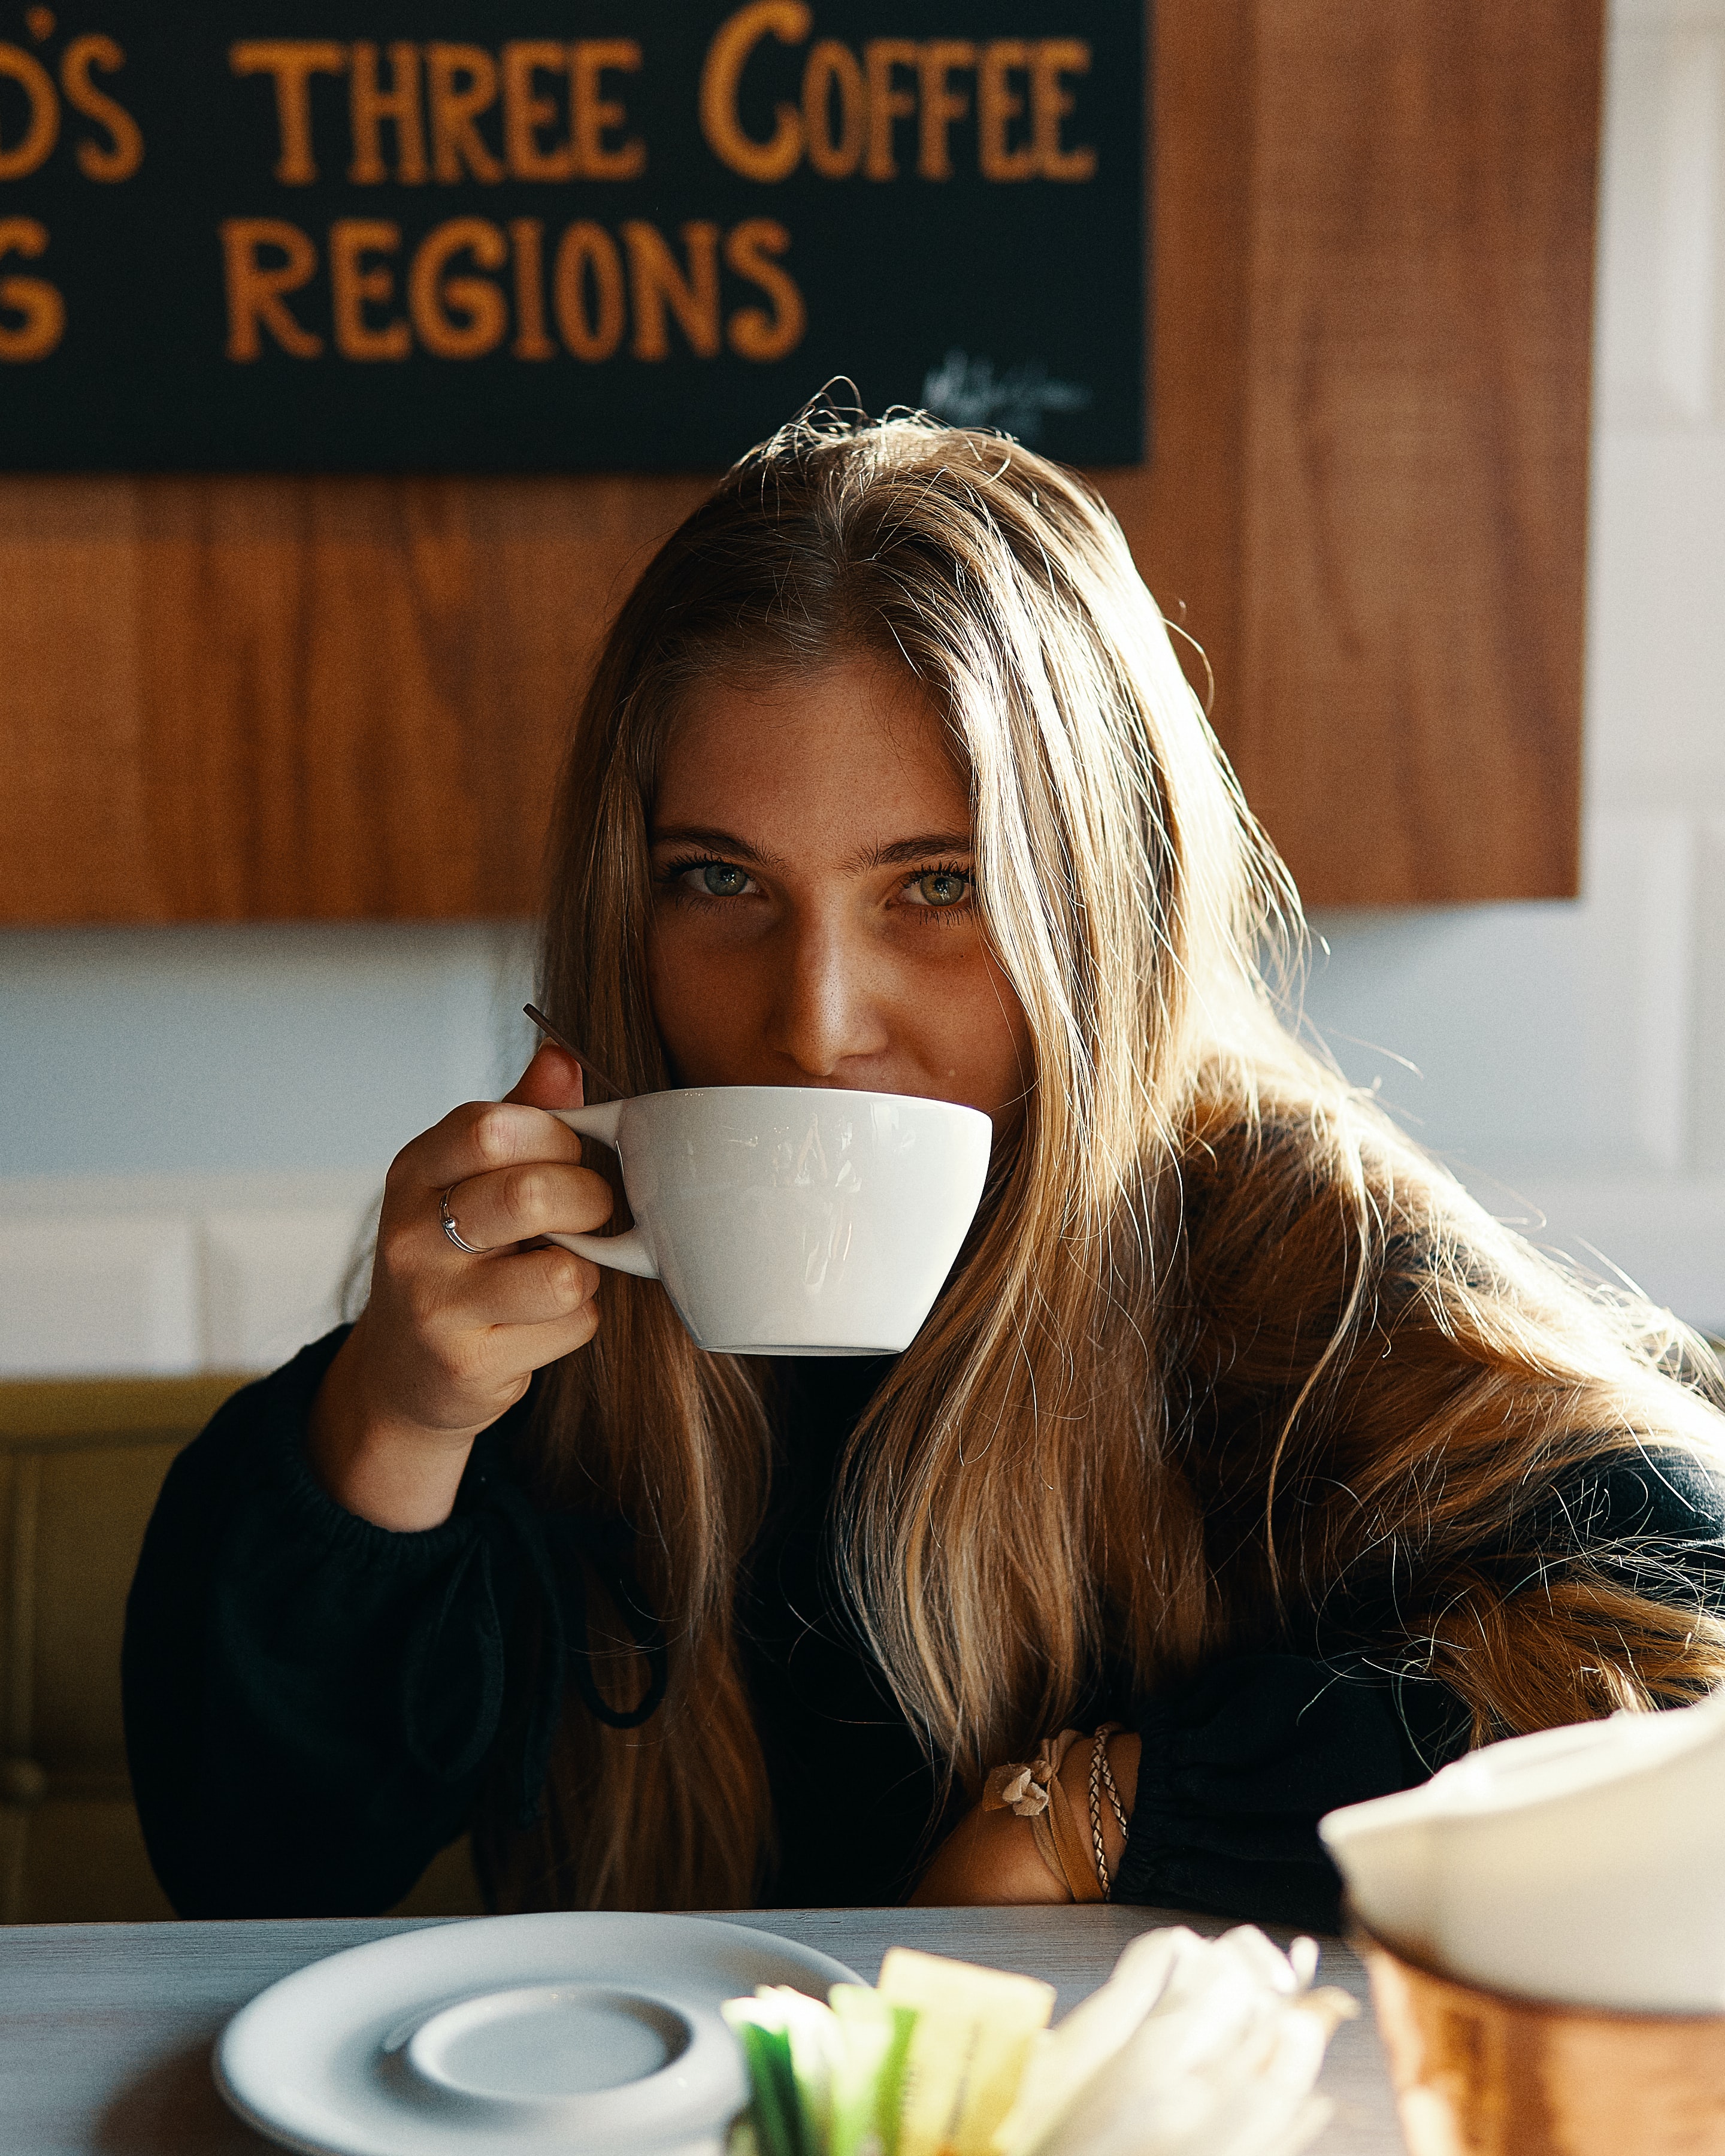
(725, 843)
(903, 851)
(899, 853)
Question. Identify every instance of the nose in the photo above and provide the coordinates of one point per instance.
(825, 1012)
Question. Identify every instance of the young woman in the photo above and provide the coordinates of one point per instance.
(1237, 1425)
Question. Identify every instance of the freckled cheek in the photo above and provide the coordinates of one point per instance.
(703, 1003)
(971, 1030)
(672, 989)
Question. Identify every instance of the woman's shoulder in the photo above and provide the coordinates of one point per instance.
(250, 1463)
(1290, 1149)
(1250, 1171)
(1651, 1495)
(1270, 1211)
(1315, 1201)
(257, 1430)
(1316, 1241)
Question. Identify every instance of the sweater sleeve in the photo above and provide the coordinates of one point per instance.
(311, 1701)
(1237, 1767)
(1239, 1763)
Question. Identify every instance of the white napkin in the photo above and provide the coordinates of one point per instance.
(1194, 2047)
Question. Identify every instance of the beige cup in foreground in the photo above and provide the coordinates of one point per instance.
(791, 1219)
(1480, 2073)
(1476, 1870)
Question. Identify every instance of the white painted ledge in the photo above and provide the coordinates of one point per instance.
(163, 1275)
(159, 1275)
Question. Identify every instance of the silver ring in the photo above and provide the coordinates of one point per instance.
(453, 1232)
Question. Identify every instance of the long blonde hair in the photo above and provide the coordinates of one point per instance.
(1226, 1355)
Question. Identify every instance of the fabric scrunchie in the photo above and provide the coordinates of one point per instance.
(1034, 1791)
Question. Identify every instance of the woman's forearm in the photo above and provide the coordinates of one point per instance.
(991, 1858)
(395, 1476)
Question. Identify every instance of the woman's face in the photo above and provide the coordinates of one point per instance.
(814, 919)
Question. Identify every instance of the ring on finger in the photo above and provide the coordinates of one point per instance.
(453, 1232)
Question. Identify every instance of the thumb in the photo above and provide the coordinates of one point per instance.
(552, 1080)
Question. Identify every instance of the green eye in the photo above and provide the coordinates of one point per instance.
(719, 879)
(944, 887)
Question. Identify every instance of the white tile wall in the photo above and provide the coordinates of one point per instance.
(272, 1280)
(145, 1065)
(1656, 650)
(1656, 654)
(89, 1297)
(249, 1045)
(1659, 351)
(1706, 1071)
(1664, 1234)
(1540, 1034)
(161, 1274)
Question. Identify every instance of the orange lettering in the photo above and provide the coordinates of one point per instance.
(352, 284)
(126, 141)
(526, 238)
(721, 74)
(936, 62)
(254, 292)
(293, 62)
(40, 302)
(754, 334)
(880, 56)
(833, 66)
(1051, 101)
(37, 140)
(459, 317)
(998, 105)
(371, 105)
(585, 247)
(658, 281)
(595, 115)
(463, 80)
(524, 112)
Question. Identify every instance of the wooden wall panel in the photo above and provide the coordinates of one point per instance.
(255, 698)
(72, 811)
(1407, 716)
(369, 720)
(249, 698)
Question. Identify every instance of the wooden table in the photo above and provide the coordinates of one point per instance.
(105, 2028)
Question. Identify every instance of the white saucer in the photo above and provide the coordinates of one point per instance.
(542, 2036)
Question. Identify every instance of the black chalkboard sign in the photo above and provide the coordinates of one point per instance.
(434, 235)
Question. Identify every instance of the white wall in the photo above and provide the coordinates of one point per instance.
(195, 1120)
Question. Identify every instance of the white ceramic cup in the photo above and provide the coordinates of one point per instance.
(791, 1219)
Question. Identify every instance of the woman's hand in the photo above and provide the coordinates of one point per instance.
(992, 1856)
(448, 1342)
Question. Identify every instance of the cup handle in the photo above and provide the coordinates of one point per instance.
(627, 1252)
(599, 1121)
(630, 1251)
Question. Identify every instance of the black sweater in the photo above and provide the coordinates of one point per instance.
(314, 1705)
